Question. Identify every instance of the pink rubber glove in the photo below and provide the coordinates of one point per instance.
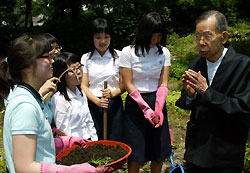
(64, 142)
(161, 95)
(147, 111)
(77, 168)
(57, 132)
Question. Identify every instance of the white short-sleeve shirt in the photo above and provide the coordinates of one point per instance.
(73, 117)
(25, 115)
(146, 69)
(100, 69)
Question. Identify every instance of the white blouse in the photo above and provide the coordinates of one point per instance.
(146, 69)
(99, 69)
(73, 117)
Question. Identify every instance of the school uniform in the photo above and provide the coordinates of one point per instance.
(99, 69)
(73, 117)
(25, 115)
(147, 143)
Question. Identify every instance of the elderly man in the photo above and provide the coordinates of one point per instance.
(216, 88)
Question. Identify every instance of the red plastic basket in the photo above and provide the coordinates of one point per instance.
(113, 165)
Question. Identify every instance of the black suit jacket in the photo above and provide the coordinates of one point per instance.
(218, 127)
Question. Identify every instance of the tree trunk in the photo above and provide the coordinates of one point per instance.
(28, 16)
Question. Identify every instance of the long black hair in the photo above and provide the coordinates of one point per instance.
(101, 25)
(59, 66)
(51, 38)
(149, 24)
(22, 52)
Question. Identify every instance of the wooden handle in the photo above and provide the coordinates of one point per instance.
(105, 116)
(47, 96)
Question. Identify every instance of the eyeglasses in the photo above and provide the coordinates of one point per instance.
(207, 36)
(55, 51)
(75, 68)
(58, 47)
(46, 56)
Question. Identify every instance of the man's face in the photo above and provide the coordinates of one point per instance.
(208, 40)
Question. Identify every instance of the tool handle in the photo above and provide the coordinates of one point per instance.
(47, 96)
(105, 116)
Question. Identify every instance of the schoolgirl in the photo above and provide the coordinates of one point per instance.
(50, 84)
(145, 68)
(101, 64)
(28, 141)
(69, 104)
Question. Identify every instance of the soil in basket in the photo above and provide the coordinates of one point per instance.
(93, 155)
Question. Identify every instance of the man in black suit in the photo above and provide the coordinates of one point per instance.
(216, 88)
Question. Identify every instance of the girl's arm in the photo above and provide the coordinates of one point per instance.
(61, 111)
(107, 93)
(85, 87)
(91, 127)
(161, 94)
(24, 153)
(164, 76)
(49, 85)
(127, 79)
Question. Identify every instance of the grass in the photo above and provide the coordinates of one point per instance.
(2, 156)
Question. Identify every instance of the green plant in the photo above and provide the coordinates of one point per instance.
(146, 168)
(182, 48)
(100, 162)
(173, 95)
(247, 158)
(178, 68)
(239, 35)
(3, 168)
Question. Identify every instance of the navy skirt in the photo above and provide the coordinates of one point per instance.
(147, 143)
(114, 119)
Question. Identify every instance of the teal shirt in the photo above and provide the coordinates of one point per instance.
(27, 114)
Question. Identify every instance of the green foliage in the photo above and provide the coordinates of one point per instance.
(3, 168)
(177, 69)
(100, 162)
(182, 50)
(240, 37)
(145, 168)
(173, 96)
(247, 158)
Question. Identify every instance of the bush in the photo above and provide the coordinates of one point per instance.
(174, 95)
(177, 69)
(240, 37)
(3, 168)
(247, 159)
(2, 156)
(182, 51)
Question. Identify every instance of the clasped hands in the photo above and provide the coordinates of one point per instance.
(194, 82)
(106, 96)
